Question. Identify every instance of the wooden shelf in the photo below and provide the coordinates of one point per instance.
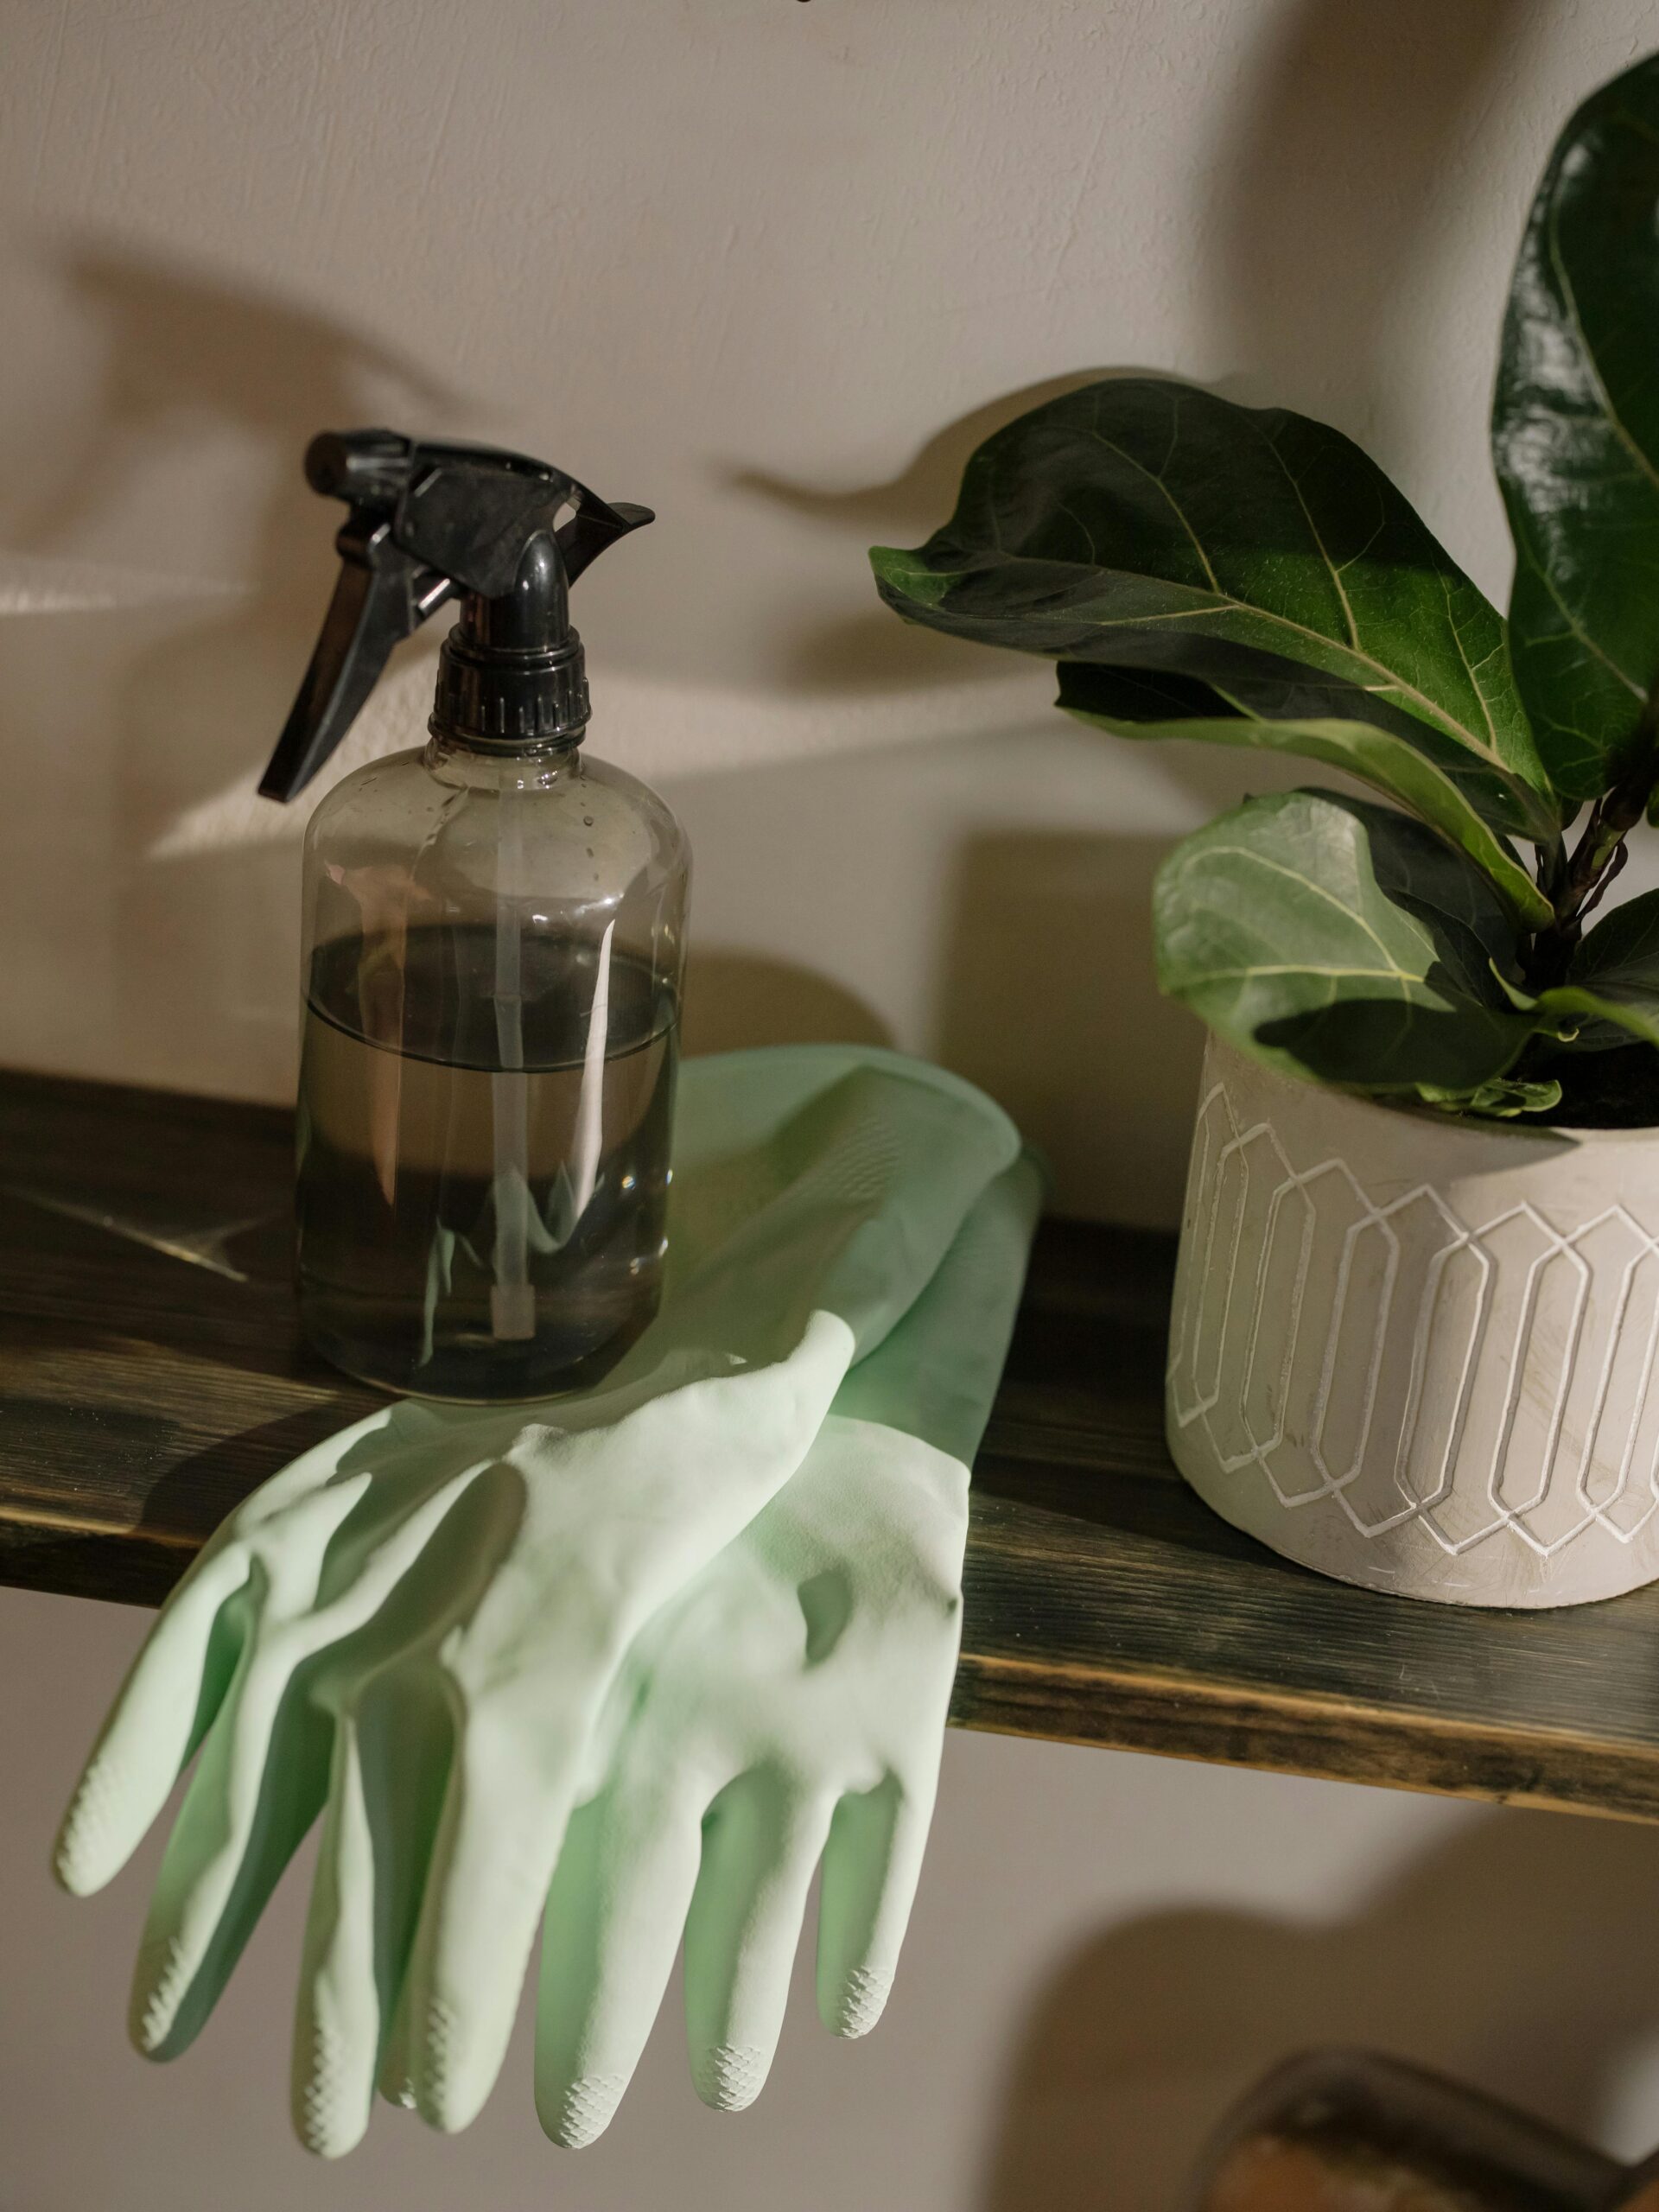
(150, 1374)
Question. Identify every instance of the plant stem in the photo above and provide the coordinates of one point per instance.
(1575, 885)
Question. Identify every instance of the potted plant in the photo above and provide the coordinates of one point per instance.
(1415, 1341)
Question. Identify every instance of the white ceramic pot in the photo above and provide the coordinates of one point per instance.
(1416, 1353)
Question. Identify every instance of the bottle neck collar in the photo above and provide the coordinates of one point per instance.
(470, 765)
(492, 694)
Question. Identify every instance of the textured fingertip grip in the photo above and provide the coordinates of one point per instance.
(586, 2110)
(863, 2001)
(441, 2095)
(731, 2076)
(328, 2118)
(91, 1844)
(159, 1983)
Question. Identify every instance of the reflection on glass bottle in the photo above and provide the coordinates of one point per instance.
(487, 1076)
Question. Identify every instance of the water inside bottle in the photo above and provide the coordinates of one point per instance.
(482, 1183)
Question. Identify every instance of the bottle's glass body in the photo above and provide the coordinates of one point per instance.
(494, 947)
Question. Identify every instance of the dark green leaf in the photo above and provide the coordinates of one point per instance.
(1342, 940)
(1576, 437)
(1135, 702)
(1500, 1100)
(1613, 991)
(1143, 524)
(1621, 953)
(1591, 1021)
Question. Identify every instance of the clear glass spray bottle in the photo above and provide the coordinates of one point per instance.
(494, 941)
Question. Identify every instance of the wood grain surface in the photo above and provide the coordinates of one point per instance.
(150, 1374)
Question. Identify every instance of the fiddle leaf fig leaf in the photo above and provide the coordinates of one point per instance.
(1591, 1021)
(1344, 942)
(1441, 786)
(1620, 955)
(1611, 992)
(1144, 523)
(1575, 439)
(1500, 1100)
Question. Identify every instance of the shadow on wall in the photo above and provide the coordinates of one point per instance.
(1051, 1005)
(208, 942)
(874, 652)
(1342, 167)
(1328, 199)
(1519, 1958)
(190, 361)
(736, 1000)
(1051, 1000)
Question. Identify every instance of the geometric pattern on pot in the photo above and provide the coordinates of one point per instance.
(1484, 1380)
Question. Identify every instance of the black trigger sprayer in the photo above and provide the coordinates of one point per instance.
(493, 943)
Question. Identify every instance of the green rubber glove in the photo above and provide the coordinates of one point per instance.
(789, 1706)
(415, 1624)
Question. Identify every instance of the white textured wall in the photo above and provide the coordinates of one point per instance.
(774, 268)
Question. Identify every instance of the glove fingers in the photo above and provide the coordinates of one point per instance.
(176, 1686)
(260, 1783)
(760, 1850)
(386, 1792)
(491, 1868)
(337, 2027)
(871, 1867)
(615, 1914)
(396, 2082)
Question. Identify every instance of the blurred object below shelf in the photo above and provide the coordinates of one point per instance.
(1342, 2130)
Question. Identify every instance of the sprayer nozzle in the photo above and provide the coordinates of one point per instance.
(355, 464)
(429, 522)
